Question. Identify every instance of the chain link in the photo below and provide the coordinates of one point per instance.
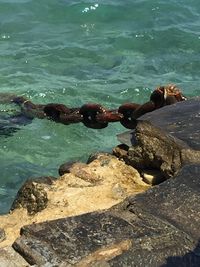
(96, 116)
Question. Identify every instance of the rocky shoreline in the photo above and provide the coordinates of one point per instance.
(136, 207)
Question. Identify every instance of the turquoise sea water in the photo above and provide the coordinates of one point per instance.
(74, 52)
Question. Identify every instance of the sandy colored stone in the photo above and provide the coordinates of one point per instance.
(10, 258)
(152, 177)
(101, 256)
(102, 183)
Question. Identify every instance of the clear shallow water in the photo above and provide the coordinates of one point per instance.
(74, 52)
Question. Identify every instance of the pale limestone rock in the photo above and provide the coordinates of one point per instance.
(10, 258)
(152, 177)
(98, 185)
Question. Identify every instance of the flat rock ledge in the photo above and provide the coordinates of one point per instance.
(107, 213)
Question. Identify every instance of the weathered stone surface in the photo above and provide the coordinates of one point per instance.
(10, 258)
(165, 139)
(46, 180)
(97, 156)
(155, 228)
(176, 201)
(102, 183)
(181, 120)
(31, 196)
(2, 234)
(89, 231)
(121, 151)
(65, 167)
(154, 149)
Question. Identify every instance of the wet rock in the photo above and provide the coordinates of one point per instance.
(155, 228)
(121, 151)
(32, 196)
(65, 167)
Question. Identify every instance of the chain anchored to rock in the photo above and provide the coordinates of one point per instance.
(96, 116)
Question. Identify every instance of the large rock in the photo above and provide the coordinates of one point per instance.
(98, 185)
(155, 149)
(180, 120)
(157, 228)
(164, 142)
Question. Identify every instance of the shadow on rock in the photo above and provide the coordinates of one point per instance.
(190, 259)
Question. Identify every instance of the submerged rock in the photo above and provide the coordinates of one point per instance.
(9, 124)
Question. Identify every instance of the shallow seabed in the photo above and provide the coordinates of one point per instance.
(74, 52)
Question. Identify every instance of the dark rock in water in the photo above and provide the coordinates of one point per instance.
(65, 167)
(157, 228)
(31, 196)
(182, 120)
(10, 124)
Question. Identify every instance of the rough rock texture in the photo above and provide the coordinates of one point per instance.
(102, 183)
(10, 258)
(166, 142)
(2, 235)
(155, 228)
(181, 120)
(154, 149)
(159, 227)
(32, 196)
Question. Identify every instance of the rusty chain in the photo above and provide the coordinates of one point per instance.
(97, 117)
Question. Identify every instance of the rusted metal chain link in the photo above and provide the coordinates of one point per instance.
(97, 117)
